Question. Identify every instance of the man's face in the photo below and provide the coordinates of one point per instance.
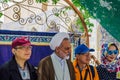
(84, 58)
(22, 52)
(64, 50)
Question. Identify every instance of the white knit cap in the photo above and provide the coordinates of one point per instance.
(57, 39)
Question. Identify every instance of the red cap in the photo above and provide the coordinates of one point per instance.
(20, 41)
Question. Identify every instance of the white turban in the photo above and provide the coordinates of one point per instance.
(57, 39)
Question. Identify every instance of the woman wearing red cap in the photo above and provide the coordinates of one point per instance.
(18, 67)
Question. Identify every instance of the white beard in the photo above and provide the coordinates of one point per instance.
(66, 57)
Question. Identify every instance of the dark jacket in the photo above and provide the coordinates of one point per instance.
(46, 69)
(10, 71)
(104, 74)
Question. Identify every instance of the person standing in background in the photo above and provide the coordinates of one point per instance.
(18, 67)
(110, 63)
(57, 66)
(83, 70)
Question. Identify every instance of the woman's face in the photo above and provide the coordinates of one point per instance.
(111, 55)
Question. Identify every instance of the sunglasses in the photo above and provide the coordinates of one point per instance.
(110, 52)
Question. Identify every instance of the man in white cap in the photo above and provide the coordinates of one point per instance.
(57, 66)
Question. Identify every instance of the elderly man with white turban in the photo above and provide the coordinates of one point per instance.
(57, 66)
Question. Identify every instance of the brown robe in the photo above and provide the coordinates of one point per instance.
(46, 69)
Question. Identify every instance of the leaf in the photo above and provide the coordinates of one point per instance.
(41, 1)
(6, 0)
(55, 1)
(56, 14)
(81, 28)
(1, 15)
(91, 24)
(76, 3)
(90, 30)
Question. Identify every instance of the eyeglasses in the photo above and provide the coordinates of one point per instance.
(110, 52)
(24, 47)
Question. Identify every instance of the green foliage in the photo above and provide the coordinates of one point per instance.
(56, 14)
(89, 24)
(1, 1)
(90, 30)
(79, 23)
(83, 10)
(85, 14)
(78, 4)
(55, 1)
(1, 14)
(6, 0)
(41, 1)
